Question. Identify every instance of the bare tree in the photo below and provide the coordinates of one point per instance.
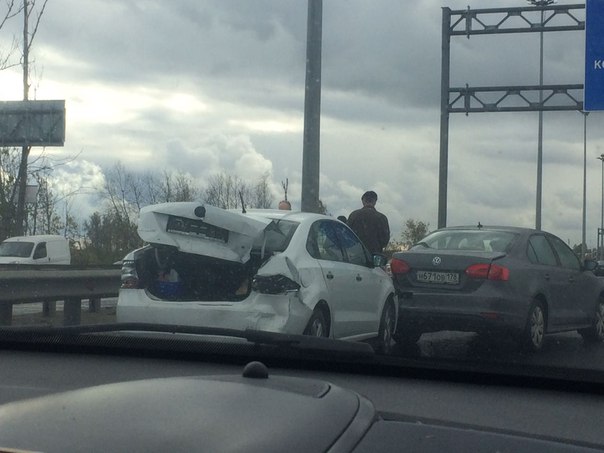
(30, 7)
(11, 11)
(9, 167)
(225, 191)
(263, 198)
(177, 187)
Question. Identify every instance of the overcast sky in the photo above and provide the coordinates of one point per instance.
(218, 86)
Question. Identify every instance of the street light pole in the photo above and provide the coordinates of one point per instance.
(601, 229)
(539, 195)
(584, 219)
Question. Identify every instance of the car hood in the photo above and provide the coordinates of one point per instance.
(201, 229)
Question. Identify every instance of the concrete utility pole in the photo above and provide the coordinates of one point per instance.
(312, 109)
(22, 178)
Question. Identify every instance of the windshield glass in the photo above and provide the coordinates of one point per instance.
(16, 249)
(405, 175)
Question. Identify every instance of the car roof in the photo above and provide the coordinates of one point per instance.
(35, 238)
(511, 229)
(296, 216)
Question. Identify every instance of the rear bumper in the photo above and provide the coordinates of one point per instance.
(273, 313)
(430, 312)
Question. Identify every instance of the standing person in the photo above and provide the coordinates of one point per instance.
(370, 225)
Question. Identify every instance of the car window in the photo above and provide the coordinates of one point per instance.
(356, 253)
(567, 258)
(323, 243)
(540, 251)
(277, 236)
(40, 251)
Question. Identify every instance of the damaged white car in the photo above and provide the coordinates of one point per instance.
(277, 271)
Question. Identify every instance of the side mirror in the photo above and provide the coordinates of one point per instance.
(379, 260)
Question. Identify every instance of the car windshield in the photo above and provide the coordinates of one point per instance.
(420, 179)
(16, 249)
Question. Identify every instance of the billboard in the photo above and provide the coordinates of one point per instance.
(32, 123)
(594, 55)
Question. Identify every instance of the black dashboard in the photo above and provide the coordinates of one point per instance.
(58, 400)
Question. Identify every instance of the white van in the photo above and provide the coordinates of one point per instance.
(38, 249)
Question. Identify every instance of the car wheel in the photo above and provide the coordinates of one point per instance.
(386, 329)
(534, 331)
(317, 325)
(595, 333)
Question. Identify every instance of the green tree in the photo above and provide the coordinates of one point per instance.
(414, 231)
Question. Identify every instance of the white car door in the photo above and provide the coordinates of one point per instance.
(339, 276)
(364, 308)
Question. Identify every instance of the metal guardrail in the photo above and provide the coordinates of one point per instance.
(21, 284)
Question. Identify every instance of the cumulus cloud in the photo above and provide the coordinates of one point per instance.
(214, 86)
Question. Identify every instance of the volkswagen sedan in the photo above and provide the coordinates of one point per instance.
(496, 279)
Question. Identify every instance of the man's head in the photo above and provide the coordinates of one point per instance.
(285, 205)
(369, 198)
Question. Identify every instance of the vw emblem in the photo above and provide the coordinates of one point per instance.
(436, 260)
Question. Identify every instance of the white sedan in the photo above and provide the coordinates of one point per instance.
(278, 271)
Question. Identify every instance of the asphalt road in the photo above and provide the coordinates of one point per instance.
(563, 350)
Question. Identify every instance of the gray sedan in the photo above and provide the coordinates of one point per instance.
(496, 279)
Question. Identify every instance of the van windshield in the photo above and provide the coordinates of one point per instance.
(17, 249)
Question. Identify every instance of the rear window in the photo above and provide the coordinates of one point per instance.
(476, 240)
(277, 236)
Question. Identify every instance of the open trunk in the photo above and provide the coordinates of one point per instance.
(203, 253)
(173, 275)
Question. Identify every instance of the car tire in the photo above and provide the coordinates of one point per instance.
(534, 331)
(383, 344)
(317, 324)
(595, 333)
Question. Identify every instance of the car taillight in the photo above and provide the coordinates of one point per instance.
(129, 276)
(398, 266)
(273, 284)
(488, 272)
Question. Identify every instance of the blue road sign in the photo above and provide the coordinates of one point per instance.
(594, 55)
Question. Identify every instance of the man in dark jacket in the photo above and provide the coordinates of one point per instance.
(370, 225)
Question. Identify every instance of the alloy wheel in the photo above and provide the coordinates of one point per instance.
(537, 327)
(386, 330)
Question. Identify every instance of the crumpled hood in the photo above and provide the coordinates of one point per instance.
(201, 229)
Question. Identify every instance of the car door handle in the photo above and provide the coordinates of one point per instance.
(329, 275)
(546, 276)
(359, 278)
(571, 279)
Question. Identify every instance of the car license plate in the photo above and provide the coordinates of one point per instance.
(447, 278)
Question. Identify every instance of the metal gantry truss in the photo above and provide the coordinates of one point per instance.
(515, 99)
(531, 19)
(514, 20)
